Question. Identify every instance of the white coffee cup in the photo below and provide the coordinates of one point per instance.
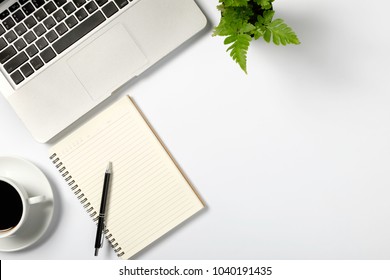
(15, 206)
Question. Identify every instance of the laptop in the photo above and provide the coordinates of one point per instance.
(60, 58)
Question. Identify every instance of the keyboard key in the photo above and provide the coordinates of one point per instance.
(49, 22)
(15, 62)
(21, 2)
(30, 22)
(51, 36)
(61, 29)
(41, 43)
(71, 21)
(17, 77)
(91, 7)
(59, 15)
(69, 8)
(79, 3)
(81, 14)
(50, 7)
(3, 43)
(39, 30)
(36, 62)
(27, 70)
(14, 7)
(38, 3)
(28, 9)
(20, 44)
(4, 14)
(8, 23)
(10, 36)
(101, 2)
(78, 32)
(6, 54)
(30, 37)
(20, 29)
(32, 50)
(48, 54)
(121, 3)
(2, 30)
(109, 9)
(59, 3)
(40, 14)
(18, 16)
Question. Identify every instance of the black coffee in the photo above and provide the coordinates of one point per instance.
(11, 206)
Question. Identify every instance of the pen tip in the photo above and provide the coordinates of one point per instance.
(96, 251)
(109, 167)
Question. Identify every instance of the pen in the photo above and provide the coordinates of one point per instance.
(100, 227)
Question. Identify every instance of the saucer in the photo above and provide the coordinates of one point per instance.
(35, 183)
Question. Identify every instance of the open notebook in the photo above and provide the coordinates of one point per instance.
(148, 195)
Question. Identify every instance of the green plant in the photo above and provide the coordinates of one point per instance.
(244, 20)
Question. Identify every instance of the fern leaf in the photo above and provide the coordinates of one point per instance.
(280, 33)
(265, 4)
(234, 3)
(239, 48)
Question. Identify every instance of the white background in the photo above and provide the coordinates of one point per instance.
(292, 159)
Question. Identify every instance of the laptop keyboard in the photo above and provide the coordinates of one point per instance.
(34, 32)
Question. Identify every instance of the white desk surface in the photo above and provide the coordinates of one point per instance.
(292, 159)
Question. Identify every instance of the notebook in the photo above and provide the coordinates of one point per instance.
(149, 195)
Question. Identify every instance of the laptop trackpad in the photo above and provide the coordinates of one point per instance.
(108, 62)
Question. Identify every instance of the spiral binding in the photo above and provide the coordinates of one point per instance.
(84, 201)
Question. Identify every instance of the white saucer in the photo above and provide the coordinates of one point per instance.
(35, 182)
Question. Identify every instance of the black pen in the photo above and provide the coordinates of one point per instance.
(100, 227)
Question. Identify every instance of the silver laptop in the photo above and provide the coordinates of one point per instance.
(60, 58)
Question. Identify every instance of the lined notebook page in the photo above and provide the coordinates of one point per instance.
(148, 194)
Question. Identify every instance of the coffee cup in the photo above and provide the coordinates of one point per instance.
(15, 206)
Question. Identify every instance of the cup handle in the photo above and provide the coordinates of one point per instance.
(36, 199)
